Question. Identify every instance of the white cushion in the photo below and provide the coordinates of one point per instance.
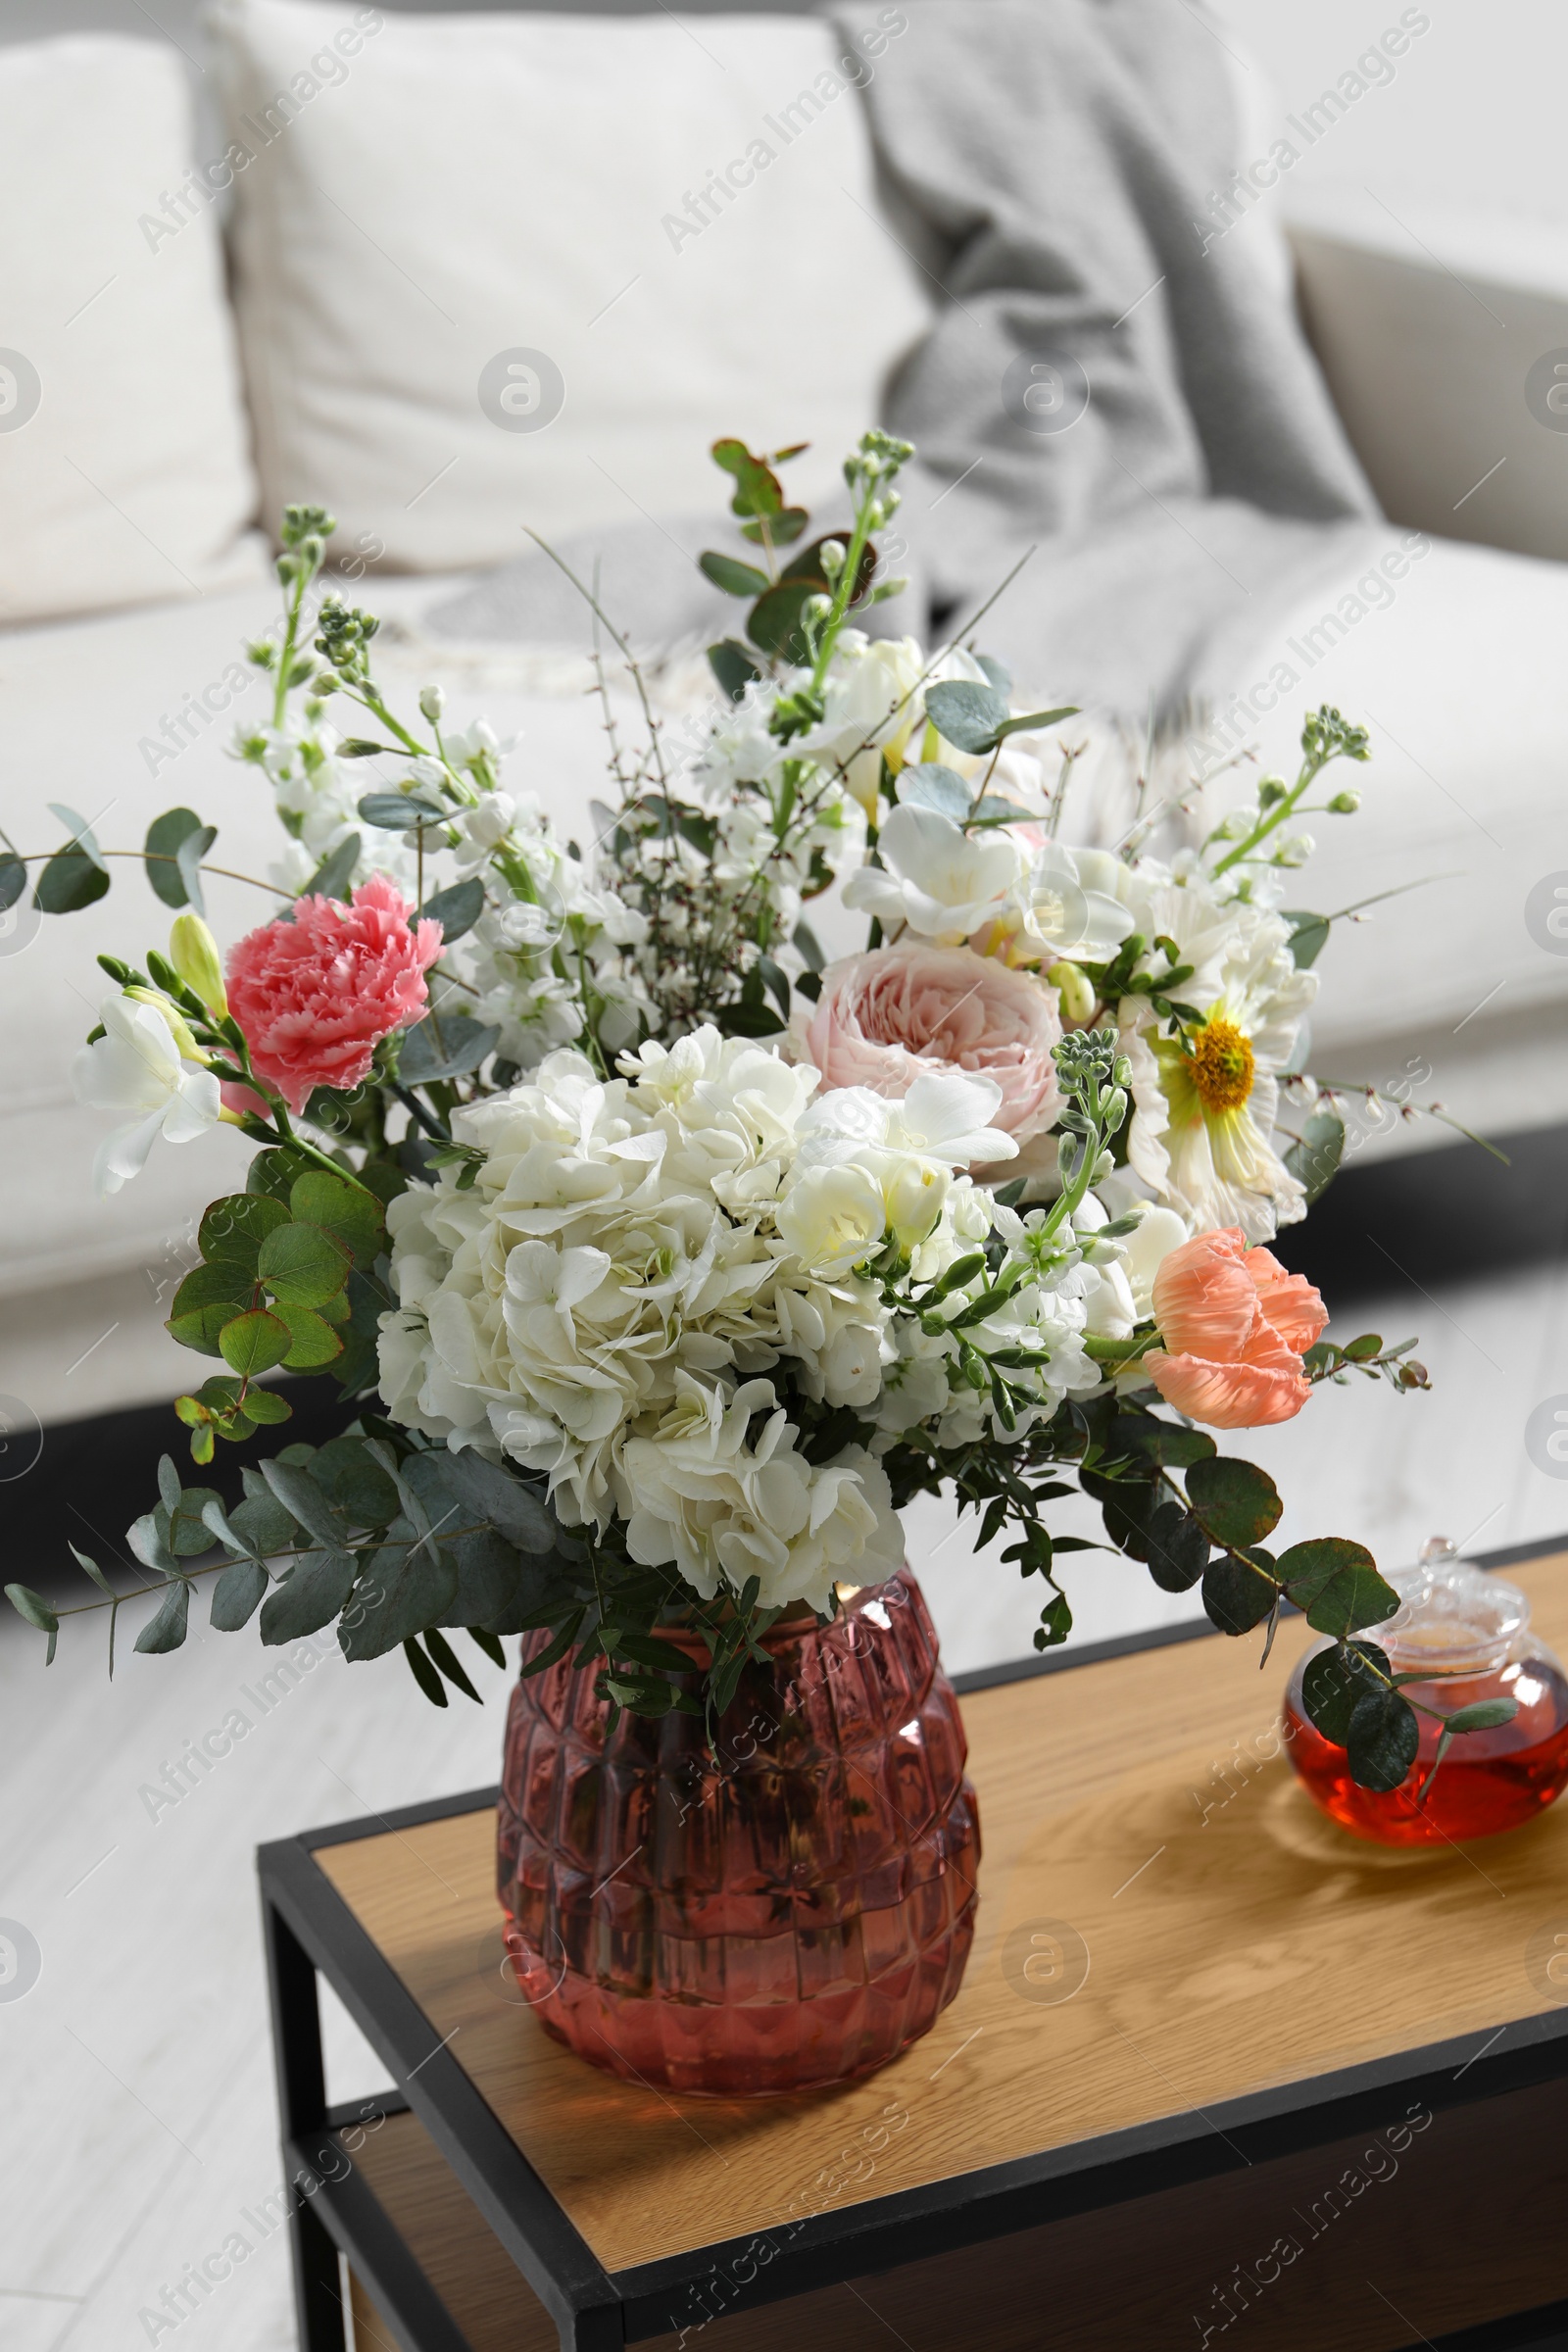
(428, 195)
(1448, 655)
(124, 472)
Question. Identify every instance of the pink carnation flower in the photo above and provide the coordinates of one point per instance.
(315, 996)
(895, 1014)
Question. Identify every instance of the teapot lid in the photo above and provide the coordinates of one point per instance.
(1452, 1613)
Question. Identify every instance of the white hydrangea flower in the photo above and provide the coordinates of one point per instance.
(646, 1267)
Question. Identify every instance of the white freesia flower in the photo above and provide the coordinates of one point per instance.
(944, 1117)
(1066, 908)
(136, 1067)
(943, 882)
(875, 708)
(832, 1217)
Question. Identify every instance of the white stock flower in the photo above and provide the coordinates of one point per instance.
(136, 1067)
(943, 882)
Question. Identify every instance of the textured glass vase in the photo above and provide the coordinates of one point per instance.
(784, 1909)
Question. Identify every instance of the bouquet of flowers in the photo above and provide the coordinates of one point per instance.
(665, 1258)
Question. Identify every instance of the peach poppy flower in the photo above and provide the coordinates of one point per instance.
(1235, 1328)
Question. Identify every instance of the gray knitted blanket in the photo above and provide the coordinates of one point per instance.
(1106, 380)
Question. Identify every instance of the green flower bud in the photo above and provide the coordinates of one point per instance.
(1346, 803)
(1076, 993)
(193, 953)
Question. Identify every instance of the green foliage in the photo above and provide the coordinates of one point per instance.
(254, 1342)
(400, 811)
(929, 785)
(1314, 1161)
(333, 877)
(75, 876)
(976, 718)
(456, 910)
(1237, 1503)
(177, 843)
(733, 667)
(1238, 1590)
(1383, 1739)
(1309, 936)
(281, 1283)
(1334, 1681)
(732, 575)
(445, 1048)
(1337, 1585)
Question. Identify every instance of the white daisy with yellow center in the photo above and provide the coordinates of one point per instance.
(1206, 1099)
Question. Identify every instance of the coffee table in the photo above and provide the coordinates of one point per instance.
(1213, 2064)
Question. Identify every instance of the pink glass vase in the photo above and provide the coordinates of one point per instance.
(785, 1908)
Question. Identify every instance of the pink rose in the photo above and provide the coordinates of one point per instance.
(895, 1014)
(315, 996)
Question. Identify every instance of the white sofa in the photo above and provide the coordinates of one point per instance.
(122, 713)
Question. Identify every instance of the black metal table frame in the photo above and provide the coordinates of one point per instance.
(310, 1929)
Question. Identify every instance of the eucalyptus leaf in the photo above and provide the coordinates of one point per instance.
(496, 1495)
(69, 882)
(1309, 936)
(968, 715)
(1175, 1548)
(1238, 1503)
(167, 1630)
(312, 1341)
(432, 1050)
(457, 910)
(1314, 1161)
(335, 875)
(1337, 1585)
(774, 623)
(932, 786)
(344, 1210)
(300, 1495)
(400, 811)
(1383, 1739)
(1335, 1680)
(310, 1597)
(188, 864)
(254, 1341)
(161, 852)
(82, 833)
(1237, 1595)
(353, 1482)
(734, 668)
(1483, 1715)
(237, 1594)
(489, 1571)
(732, 575)
(234, 1228)
(405, 1588)
(303, 1264)
(12, 878)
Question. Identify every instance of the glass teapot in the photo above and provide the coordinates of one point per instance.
(1473, 1631)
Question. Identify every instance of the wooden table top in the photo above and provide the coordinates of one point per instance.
(1236, 1941)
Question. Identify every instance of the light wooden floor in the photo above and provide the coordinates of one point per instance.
(134, 2076)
